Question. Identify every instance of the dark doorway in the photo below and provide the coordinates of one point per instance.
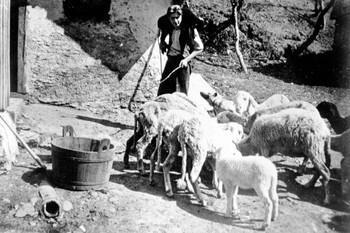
(14, 46)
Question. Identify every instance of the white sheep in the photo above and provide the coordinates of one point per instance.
(168, 131)
(242, 106)
(146, 123)
(273, 101)
(277, 108)
(295, 132)
(248, 172)
(201, 139)
(167, 134)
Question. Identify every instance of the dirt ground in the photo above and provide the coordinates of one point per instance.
(130, 204)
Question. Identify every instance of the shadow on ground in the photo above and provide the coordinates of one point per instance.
(324, 69)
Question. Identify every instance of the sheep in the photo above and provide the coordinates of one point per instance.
(243, 103)
(146, 123)
(295, 132)
(248, 172)
(167, 133)
(272, 101)
(329, 111)
(169, 125)
(341, 143)
(277, 108)
(201, 138)
(228, 116)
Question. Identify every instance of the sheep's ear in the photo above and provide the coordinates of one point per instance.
(253, 102)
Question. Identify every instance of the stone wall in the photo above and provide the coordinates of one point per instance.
(89, 62)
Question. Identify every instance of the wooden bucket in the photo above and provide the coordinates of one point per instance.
(81, 163)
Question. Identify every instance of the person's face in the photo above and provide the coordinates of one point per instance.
(175, 19)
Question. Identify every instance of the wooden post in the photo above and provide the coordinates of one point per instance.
(5, 6)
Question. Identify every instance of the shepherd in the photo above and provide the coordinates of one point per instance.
(180, 24)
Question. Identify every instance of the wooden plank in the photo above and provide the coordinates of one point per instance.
(5, 6)
(21, 71)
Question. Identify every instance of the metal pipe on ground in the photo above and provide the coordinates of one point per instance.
(51, 205)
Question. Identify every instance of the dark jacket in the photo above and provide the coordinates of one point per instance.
(188, 23)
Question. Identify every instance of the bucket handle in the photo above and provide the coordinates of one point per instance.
(68, 131)
(104, 145)
(100, 145)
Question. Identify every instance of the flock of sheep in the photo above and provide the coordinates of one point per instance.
(232, 137)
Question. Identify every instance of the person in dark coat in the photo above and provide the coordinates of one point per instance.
(180, 25)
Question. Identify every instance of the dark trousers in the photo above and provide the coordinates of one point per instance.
(178, 81)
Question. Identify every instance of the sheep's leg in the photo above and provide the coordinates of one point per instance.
(214, 181)
(302, 167)
(219, 189)
(198, 161)
(264, 196)
(234, 199)
(140, 148)
(321, 169)
(181, 183)
(151, 169)
(274, 198)
(188, 183)
(229, 197)
(166, 170)
(327, 152)
(198, 193)
(159, 147)
(131, 147)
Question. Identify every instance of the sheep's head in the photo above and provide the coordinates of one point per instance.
(211, 98)
(245, 103)
(327, 110)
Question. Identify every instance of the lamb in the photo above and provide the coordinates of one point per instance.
(146, 123)
(201, 139)
(295, 132)
(248, 172)
(329, 111)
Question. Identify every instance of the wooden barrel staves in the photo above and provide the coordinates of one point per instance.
(81, 163)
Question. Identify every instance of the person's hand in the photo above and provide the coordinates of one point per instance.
(163, 46)
(183, 63)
